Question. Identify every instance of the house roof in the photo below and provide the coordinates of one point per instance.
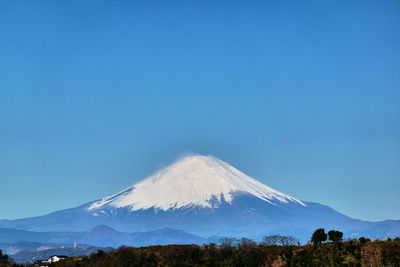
(59, 256)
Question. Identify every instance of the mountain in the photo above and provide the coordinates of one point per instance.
(31, 246)
(13, 241)
(204, 196)
(194, 181)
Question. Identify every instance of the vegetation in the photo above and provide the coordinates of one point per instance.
(319, 236)
(280, 240)
(6, 261)
(272, 251)
(335, 236)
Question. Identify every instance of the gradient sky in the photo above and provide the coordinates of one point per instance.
(301, 95)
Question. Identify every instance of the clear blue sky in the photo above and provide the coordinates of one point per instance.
(301, 95)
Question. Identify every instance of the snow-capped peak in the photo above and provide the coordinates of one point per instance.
(192, 181)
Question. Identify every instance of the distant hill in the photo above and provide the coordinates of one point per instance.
(13, 248)
(100, 235)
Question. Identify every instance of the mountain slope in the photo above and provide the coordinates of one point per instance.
(192, 181)
(204, 196)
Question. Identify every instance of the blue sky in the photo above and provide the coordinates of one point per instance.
(301, 95)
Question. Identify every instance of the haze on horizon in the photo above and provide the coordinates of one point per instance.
(95, 96)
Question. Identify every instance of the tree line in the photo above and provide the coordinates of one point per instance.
(272, 250)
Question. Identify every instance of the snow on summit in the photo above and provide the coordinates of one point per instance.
(192, 181)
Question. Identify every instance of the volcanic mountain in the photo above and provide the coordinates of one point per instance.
(205, 196)
(194, 181)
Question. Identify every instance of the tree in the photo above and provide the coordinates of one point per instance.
(270, 240)
(335, 236)
(4, 260)
(227, 242)
(319, 236)
(279, 240)
(246, 243)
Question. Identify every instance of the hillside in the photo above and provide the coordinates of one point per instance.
(350, 253)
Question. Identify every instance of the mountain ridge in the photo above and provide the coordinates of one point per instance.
(102, 235)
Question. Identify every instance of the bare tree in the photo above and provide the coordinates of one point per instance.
(270, 240)
(280, 240)
(289, 241)
(247, 243)
(227, 242)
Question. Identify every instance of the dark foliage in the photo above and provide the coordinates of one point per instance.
(390, 253)
(364, 240)
(3, 258)
(246, 253)
(319, 236)
(6, 261)
(335, 236)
